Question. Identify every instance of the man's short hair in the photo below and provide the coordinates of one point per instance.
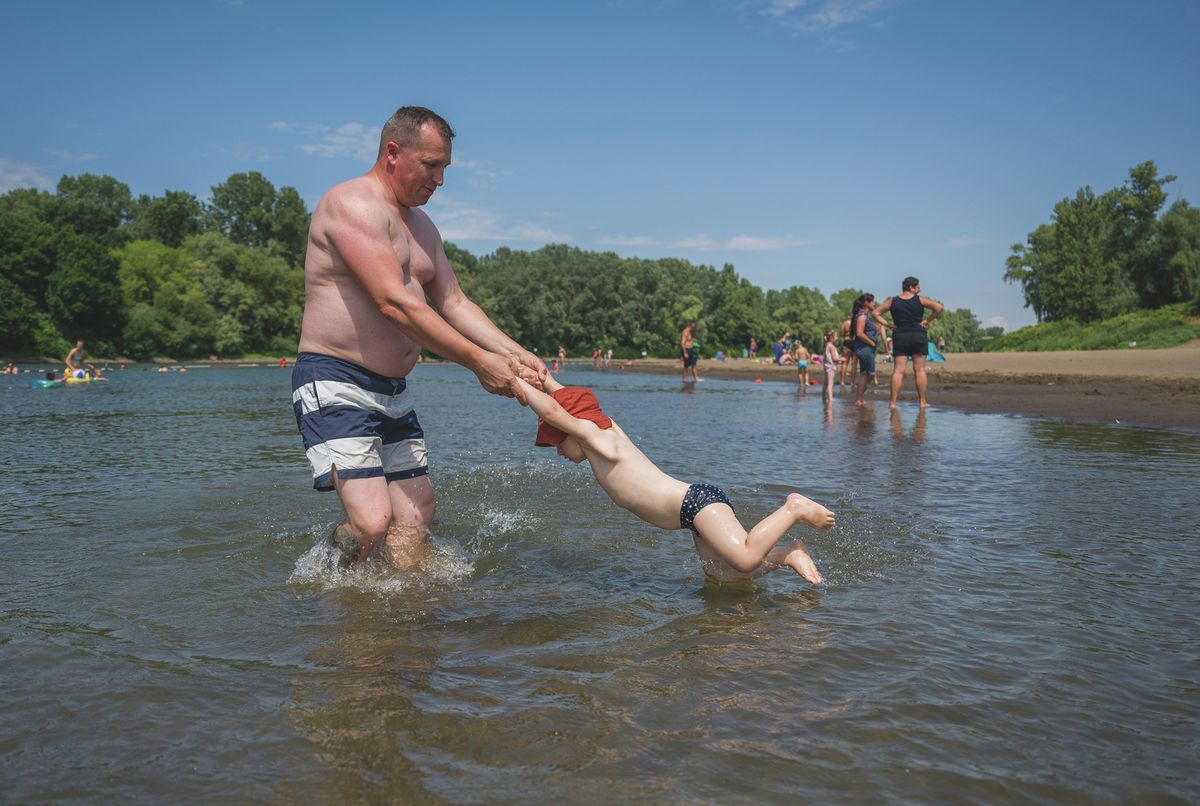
(909, 283)
(404, 127)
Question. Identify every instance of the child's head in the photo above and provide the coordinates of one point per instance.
(579, 403)
(830, 335)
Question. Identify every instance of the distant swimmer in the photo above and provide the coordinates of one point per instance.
(570, 420)
(75, 361)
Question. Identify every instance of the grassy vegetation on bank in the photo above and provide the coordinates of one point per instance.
(1168, 326)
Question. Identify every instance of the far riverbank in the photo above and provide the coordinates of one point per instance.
(1159, 388)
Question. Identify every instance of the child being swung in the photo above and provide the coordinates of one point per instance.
(569, 418)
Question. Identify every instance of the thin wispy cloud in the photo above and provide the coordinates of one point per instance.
(72, 157)
(706, 243)
(961, 241)
(351, 140)
(459, 221)
(15, 175)
(816, 16)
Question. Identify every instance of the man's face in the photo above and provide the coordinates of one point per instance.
(420, 169)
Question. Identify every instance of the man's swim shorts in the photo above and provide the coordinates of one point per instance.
(689, 357)
(351, 419)
(697, 497)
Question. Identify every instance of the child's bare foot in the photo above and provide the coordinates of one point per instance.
(800, 561)
(810, 512)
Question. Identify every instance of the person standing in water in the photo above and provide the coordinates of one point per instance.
(373, 260)
(910, 337)
(687, 349)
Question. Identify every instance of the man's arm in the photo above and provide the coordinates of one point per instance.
(359, 234)
(461, 312)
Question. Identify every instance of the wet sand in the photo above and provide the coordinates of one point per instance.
(1159, 388)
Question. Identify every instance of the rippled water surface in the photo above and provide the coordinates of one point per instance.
(1010, 613)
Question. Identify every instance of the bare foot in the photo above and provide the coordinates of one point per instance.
(810, 512)
(800, 561)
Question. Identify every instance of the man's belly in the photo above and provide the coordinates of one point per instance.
(380, 346)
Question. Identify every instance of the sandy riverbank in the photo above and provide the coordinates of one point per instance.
(1136, 387)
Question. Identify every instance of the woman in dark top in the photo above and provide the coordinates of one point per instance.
(910, 338)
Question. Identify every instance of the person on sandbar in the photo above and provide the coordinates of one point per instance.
(570, 419)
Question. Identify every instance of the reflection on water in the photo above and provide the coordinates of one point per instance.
(1009, 612)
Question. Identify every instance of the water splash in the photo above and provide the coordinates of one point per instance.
(446, 565)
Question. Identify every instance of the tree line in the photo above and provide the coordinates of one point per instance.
(1105, 255)
(174, 276)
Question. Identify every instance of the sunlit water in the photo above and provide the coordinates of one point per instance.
(1010, 613)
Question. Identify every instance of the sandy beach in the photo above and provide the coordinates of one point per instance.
(1159, 388)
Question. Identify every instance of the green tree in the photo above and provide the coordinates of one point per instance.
(168, 219)
(960, 329)
(1068, 269)
(247, 209)
(83, 294)
(1177, 276)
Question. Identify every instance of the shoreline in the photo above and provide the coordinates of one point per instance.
(1149, 388)
(1152, 388)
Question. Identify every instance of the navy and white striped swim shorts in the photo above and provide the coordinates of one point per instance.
(359, 422)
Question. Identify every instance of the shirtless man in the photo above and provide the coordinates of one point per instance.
(373, 259)
(687, 351)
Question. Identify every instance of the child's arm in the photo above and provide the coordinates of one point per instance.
(549, 410)
(586, 432)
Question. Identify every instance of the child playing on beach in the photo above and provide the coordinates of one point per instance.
(831, 360)
(569, 418)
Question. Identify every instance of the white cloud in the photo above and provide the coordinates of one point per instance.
(997, 321)
(15, 175)
(281, 126)
(823, 15)
(353, 140)
(705, 243)
(458, 221)
(960, 241)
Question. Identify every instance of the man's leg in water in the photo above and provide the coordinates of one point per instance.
(395, 514)
(413, 506)
(368, 515)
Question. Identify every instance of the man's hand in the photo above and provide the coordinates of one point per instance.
(526, 359)
(496, 374)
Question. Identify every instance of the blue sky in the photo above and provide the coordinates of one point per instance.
(827, 143)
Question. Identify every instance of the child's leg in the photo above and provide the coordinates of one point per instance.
(723, 536)
(795, 556)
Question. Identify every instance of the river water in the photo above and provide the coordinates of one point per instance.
(1010, 612)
